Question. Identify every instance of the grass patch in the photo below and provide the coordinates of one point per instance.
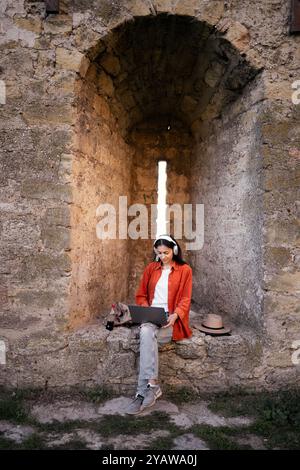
(181, 395)
(162, 443)
(7, 444)
(218, 438)
(33, 442)
(15, 403)
(75, 444)
(97, 394)
(280, 407)
(276, 418)
(12, 408)
(277, 415)
(62, 426)
(114, 425)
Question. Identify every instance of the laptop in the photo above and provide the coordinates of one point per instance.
(156, 315)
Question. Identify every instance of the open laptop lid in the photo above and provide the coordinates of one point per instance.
(156, 315)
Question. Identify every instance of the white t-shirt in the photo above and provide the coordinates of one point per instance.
(160, 298)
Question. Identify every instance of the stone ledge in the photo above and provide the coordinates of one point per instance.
(122, 339)
(94, 355)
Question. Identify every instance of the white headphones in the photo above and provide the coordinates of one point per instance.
(165, 237)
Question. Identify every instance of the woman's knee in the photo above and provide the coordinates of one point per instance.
(164, 335)
(147, 330)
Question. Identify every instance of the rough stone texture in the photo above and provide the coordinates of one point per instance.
(189, 442)
(15, 432)
(227, 179)
(89, 93)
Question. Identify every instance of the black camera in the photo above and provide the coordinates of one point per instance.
(109, 325)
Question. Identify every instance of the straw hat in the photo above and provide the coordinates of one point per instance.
(213, 324)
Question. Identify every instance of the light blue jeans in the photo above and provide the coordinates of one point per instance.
(150, 337)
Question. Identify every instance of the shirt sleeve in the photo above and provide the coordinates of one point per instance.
(141, 296)
(183, 306)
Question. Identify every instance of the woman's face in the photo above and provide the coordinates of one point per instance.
(165, 253)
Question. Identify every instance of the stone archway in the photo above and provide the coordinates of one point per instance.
(73, 146)
(173, 87)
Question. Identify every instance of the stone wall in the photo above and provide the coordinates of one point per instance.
(227, 179)
(101, 171)
(79, 85)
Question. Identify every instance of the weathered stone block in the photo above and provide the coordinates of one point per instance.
(57, 216)
(283, 232)
(30, 24)
(119, 338)
(238, 35)
(226, 347)
(88, 338)
(58, 24)
(120, 366)
(281, 305)
(280, 133)
(138, 7)
(35, 299)
(192, 348)
(41, 114)
(43, 266)
(46, 190)
(56, 238)
(187, 7)
(69, 59)
(286, 282)
(277, 257)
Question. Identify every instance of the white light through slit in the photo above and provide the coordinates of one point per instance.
(161, 221)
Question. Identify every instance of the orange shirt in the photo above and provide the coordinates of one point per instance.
(179, 294)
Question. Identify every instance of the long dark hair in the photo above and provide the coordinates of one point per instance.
(161, 241)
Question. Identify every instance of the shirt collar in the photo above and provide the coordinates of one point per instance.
(174, 265)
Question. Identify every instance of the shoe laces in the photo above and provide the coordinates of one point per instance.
(139, 397)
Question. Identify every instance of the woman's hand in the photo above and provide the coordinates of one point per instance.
(171, 320)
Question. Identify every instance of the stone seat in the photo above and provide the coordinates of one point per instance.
(202, 362)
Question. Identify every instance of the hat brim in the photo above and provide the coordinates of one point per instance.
(214, 331)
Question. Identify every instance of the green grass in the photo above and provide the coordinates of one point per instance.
(7, 444)
(61, 426)
(33, 442)
(97, 394)
(13, 409)
(276, 418)
(75, 444)
(180, 395)
(114, 425)
(218, 438)
(162, 443)
(276, 414)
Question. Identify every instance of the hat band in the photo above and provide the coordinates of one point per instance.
(211, 328)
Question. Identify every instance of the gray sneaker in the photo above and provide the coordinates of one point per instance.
(152, 393)
(134, 407)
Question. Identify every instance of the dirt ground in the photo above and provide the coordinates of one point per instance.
(96, 420)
